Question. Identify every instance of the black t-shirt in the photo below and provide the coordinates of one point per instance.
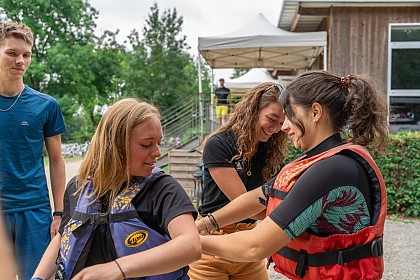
(157, 204)
(218, 152)
(222, 94)
(317, 181)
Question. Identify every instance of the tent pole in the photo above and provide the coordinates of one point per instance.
(325, 58)
(200, 99)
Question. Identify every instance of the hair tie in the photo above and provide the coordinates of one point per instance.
(345, 81)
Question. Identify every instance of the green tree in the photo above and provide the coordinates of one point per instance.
(162, 70)
(237, 72)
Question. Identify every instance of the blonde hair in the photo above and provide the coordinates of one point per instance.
(242, 123)
(17, 30)
(107, 161)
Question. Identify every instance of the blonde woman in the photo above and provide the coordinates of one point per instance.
(129, 219)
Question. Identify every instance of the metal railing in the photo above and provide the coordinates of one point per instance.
(181, 123)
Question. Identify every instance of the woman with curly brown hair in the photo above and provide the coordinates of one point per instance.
(243, 153)
(326, 209)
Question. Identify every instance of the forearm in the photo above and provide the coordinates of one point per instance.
(47, 265)
(234, 247)
(242, 207)
(247, 246)
(168, 257)
(260, 216)
(58, 181)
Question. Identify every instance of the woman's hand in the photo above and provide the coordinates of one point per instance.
(201, 226)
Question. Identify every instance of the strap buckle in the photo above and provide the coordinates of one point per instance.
(376, 248)
(340, 259)
(100, 218)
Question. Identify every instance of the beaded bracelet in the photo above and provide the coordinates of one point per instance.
(213, 221)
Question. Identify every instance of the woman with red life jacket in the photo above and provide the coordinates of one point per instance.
(326, 209)
(123, 217)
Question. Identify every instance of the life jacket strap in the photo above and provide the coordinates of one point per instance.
(303, 259)
(269, 191)
(91, 219)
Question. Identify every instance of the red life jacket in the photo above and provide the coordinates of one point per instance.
(357, 255)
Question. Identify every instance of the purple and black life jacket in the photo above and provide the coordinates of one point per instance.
(129, 233)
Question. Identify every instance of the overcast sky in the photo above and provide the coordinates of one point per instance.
(202, 18)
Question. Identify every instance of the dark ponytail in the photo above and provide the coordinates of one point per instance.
(351, 101)
(367, 113)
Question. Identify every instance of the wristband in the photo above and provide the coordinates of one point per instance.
(213, 221)
(36, 278)
(58, 213)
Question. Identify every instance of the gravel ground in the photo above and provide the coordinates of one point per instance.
(401, 251)
(401, 244)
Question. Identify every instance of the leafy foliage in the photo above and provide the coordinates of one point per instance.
(400, 169)
(163, 72)
(237, 72)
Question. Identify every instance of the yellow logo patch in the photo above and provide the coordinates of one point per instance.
(136, 238)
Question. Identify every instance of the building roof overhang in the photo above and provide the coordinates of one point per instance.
(307, 15)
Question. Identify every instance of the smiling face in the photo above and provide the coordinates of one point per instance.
(144, 147)
(15, 58)
(269, 121)
(301, 141)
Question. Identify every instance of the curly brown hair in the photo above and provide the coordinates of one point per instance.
(352, 101)
(242, 123)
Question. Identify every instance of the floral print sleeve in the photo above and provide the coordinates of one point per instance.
(342, 210)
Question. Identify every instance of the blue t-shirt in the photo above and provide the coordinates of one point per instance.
(23, 185)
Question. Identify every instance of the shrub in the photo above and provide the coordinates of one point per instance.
(400, 171)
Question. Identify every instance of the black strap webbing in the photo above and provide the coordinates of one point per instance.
(270, 191)
(303, 259)
(100, 218)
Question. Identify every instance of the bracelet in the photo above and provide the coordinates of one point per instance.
(207, 227)
(57, 214)
(213, 221)
(122, 272)
(36, 278)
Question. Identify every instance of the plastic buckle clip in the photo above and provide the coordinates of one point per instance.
(377, 247)
(100, 218)
(340, 259)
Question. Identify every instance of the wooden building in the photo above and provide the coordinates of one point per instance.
(379, 38)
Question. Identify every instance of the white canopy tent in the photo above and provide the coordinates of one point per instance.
(251, 79)
(259, 44)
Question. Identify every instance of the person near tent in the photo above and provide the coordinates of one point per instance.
(326, 209)
(123, 217)
(238, 157)
(224, 101)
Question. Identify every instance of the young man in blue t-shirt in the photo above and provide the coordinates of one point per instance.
(28, 120)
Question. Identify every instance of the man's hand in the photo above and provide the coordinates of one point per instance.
(55, 225)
